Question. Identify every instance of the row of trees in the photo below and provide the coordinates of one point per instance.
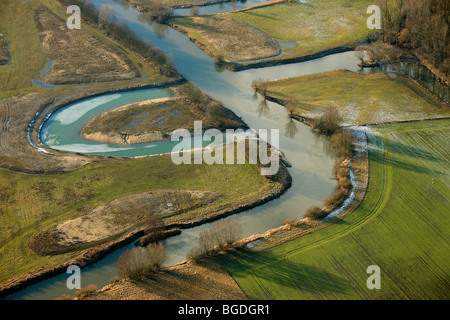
(342, 143)
(422, 25)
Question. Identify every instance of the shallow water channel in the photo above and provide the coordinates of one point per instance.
(312, 163)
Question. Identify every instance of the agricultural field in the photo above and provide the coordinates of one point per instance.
(400, 226)
(300, 29)
(359, 98)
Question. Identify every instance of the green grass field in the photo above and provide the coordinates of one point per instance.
(324, 25)
(31, 204)
(359, 98)
(402, 226)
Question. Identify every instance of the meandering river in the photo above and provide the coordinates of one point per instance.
(312, 164)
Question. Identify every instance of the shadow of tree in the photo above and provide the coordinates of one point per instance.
(291, 129)
(268, 272)
(404, 157)
(263, 108)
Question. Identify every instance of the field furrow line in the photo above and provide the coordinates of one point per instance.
(418, 253)
(261, 286)
(383, 267)
(429, 143)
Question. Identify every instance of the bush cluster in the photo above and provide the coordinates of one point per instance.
(138, 262)
(222, 233)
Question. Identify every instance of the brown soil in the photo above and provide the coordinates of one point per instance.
(237, 41)
(16, 153)
(187, 281)
(80, 57)
(116, 217)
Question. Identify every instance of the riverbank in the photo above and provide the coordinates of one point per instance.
(383, 53)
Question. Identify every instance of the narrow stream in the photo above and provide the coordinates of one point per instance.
(312, 163)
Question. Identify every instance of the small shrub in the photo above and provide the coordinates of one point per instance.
(289, 221)
(64, 296)
(192, 93)
(290, 105)
(154, 228)
(328, 123)
(342, 144)
(220, 59)
(315, 213)
(345, 183)
(194, 254)
(113, 279)
(335, 199)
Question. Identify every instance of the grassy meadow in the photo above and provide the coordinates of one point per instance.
(359, 98)
(323, 25)
(401, 226)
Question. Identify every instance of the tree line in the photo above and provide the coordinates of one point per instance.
(422, 25)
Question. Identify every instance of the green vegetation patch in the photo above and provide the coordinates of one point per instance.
(401, 226)
(359, 98)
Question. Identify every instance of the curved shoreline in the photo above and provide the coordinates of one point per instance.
(34, 134)
(94, 254)
(264, 62)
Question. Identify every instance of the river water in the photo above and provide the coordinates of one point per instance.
(312, 163)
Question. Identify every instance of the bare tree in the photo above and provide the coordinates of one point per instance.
(222, 233)
(138, 262)
(105, 16)
(329, 122)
